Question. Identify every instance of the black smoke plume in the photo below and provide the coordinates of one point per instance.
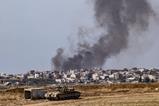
(58, 59)
(116, 18)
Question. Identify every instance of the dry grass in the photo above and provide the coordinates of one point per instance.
(117, 86)
(150, 99)
(98, 90)
(94, 95)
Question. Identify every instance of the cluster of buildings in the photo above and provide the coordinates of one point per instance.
(82, 76)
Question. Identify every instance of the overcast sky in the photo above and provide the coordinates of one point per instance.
(32, 30)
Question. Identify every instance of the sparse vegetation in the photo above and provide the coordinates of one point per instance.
(93, 95)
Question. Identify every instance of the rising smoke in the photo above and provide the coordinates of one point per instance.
(116, 18)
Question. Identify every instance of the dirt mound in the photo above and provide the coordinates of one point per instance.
(97, 90)
(15, 90)
(116, 86)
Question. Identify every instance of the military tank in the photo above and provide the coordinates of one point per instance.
(62, 93)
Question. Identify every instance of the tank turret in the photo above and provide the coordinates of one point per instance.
(63, 93)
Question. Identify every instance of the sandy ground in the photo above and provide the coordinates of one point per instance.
(94, 95)
(145, 99)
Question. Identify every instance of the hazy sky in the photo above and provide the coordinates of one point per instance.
(32, 30)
